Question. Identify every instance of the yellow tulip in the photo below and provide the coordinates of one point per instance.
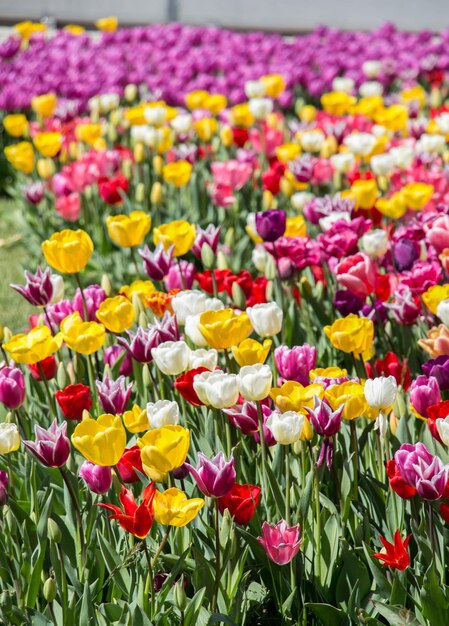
(80, 336)
(101, 441)
(74, 29)
(128, 231)
(337, 102)
(224, 329)
(15, 125)
(416, 93)
(292, 396)
(34, 346)
(369, 107)
(136, 420)
(116, 314)
(136, 115)
(250, 352)
(226, 136)
(241, 115)
(295, 227)
(288, 152)
(196, 99)
(48, 144)
(178, 233)
(393, 118)
(350, 394)
(215, 103)
(307, 113)
(434, 295)
(68, 251)
(141, 288)
(88, 133)
(27, 28)
(365, 193)
(165, 139)
(173, 508)
(352, 334)
(21, 156)
(177, 173)
(417, 195)
(206, 128)
(393, 207)
(163, 450)
(107, 24)
(44, 105)
(45, 168)
(328, 372)
(274, 85)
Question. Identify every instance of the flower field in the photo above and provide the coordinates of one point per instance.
(230, 401)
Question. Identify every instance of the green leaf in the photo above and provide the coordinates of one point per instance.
(306, 497)
(328, 614)
(120, 576)
(399, 616)
(433, 601)
(193, 608)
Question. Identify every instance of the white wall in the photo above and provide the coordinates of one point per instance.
(287, 15)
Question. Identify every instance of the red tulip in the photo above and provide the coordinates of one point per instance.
(48, 366)
(395, 554)
(135, 519)
(205, 281)
(434, 412)
(110, 188)
(241, 502)
(184, 385)
(397, 483)
(131, 460)
(390, 365)
(73, 400)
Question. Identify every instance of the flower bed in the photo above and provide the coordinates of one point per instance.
(231, 402)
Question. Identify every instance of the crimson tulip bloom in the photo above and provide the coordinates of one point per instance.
(48, 366)
(390, 365)
(184, 385)
(397, 483)
(130, 462)
(395, 554)
(110, 188)
(73, 400)
(241, 502)
(135, 519)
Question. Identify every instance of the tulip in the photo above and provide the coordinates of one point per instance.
(128, 231)
(4, 480)
(203, 358)
(38, 289)
(114, 394)
(44, 105)
(439, 369)
(12, 387)
(351, 395)
(91, 297)
(74, 400)
(135, 519)
(52, 446)
(380, 394)
(266, 318)
(173, 508)
(9, 437)
(437, 342)
(214, 477)
(405, 253)
(116, 314)
(326, 423)
(390, 365)
(15, 125)
(245, 417)
(293, 396)
(224, 329)
(21, 156)
(209, 236)
(163, 450)
(394, 555)
(112, 190)
(97, 478)
(254, 381)
(193, 302)
(34, 193)
(177, 173)
(45, 369)
(352, 334)
(82, 337)
(217, 389)
(48, 143)
(101, 441)
(271, 224)
(184, 385)
(421, 470)
(157, 263)
(251, 352)
(114, 354)
(295, 363)
(68, 251)
(289, 427)
(260, 108)
(397, 483)
(145, 339)
(129, 464)
(281, 542)
(33, 347)
(107, 24)
(424, 392)
(172, 357)
(241, 501)
(178, 234)
(375, 243)
(443, 311)
(357, 273)
(136, 420)
(162, 413)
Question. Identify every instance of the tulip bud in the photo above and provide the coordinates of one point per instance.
(207, 256)
(1, 333)
(78, 366)
(143, 319)
(73, 150)
(139, 152)
(238, 296)
(137, 304)
(225, 528)
(226, 136)
(305, 288)
(127, 166)
(158, 164)
(106, 285)
(54, 532)
(156, 193)
(329, 147)
(116, 117)
(88, 192)
(222, 263)
(435, 98)
(286, 187)
(49, 590)
(146, 377)
(130, 92)
(267, 199)
(270, 269)
(111, 133)
(230, 238)
(179, 595)
(7, 334)
(61, 376)
(140, 193)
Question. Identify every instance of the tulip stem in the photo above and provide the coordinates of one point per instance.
(263, 449)
(149, 583)
(83, 298)
(160, 548)
(47, 317)
(217, 558)
(47, 389)
(134, 260)
(318, 522)
(287, 484)
(79, 521)
(433, 540)
(355, 459)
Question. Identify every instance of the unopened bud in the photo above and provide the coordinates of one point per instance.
(50, 589)
(225, 528)
(267, 199)
(270, 269)
(111, 133)
(238, 296)
(230, 238)
(7, 334)
(127, 168)
(207, 256)
(45, 168)
(54, 532)
(140, 193)
(158, 164)
(143, 319)
(222, 262)
(106, 285)
(139, 152)
(286, 187)
(146, 376)
(226, 136)
(179, 595)
(116, 117)
(130, 92)
(156, 193)
(61, 376)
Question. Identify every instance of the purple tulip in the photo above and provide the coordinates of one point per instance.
(157, 263)
(281, 542)
(295, 363)
(113, 353)
(423, 393)
(211, 236)
(38, 289)
(34, 193)
(52, 446)
(180, 276)
(405, 253)
(215, 476)
(245, 417)
(145, 339)
(12, 387)
(94, 296)
(59, 311)
(347, 302)
(4, 480)
(271, 224)
(114, 394)
(439, 369)
(326, 423)
(97, 478)
(420, 469)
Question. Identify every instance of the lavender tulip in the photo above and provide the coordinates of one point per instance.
(4, 480)
(114, 394)
(144, 340)
(111, 356)
(405, 253)
(420, 469)
(347, 302)
(97, 478)
(38, 289)
(295, 363)
(245, 418)
(12, 387)
(94, 296)
(180, 276)
(157, 263)
(215, 476)
(52, 446)
(211, 236)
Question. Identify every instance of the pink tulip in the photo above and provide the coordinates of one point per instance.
(281, 543)
(438, 233)
(233, 174)
(358, 274)
(69, 207)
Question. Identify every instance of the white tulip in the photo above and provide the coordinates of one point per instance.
(380, 393)
(299, 199)
(443, 429)
(58, 288)
(203, 358)
(255, 381)
(343, 162)
(312, 140)
(402, 155)
(260, 258)
(163, 413)
(360, 144)
(443, 311)
(372, 68)
(343, 83)
(182, 123)
(172, 357)
(193, 302)
(382, 164)
(155, 116)
(442, 121)
(217, 389)
(370, 89)
(328, 221)
(193, 332)
(375, 243)
(9, 438)
(266, 318)
(433, 144)
(260, 107)
(255, 89)
(286, 427)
